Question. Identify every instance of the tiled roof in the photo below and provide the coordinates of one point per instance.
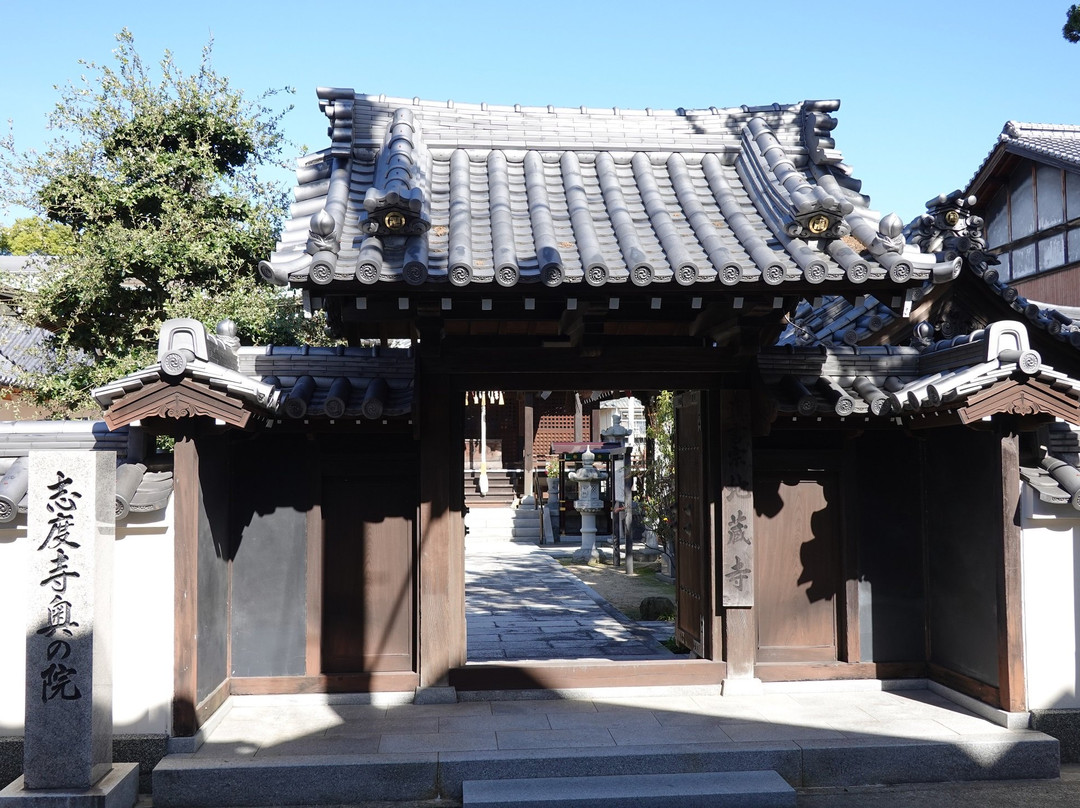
(1056, 479)
(278, 382)
(836, 320)
(1040, 141)
(426, 193)
(23, 349)
(137, 488)
(903, 381)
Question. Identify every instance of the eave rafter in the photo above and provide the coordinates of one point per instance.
(176, 400)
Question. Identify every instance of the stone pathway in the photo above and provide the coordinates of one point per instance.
(520, 604)
(821, 737)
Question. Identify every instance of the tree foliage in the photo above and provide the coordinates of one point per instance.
(158, 178)
(1071, 29)
(660, 498)
(32, 235)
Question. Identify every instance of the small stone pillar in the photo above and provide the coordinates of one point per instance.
(67, 759)
(588, 504)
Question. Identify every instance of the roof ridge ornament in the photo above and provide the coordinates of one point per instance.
(890, 237)
(183, 340)
(395, 204)
(817, 129)
(951, 229)
(811, 211)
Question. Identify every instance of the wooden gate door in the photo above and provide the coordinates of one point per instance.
(797, 576)
(368, 577)
(691, 550)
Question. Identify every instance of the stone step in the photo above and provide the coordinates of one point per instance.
(503, 533)
(507, 521)
(197, 781)
(750, 789)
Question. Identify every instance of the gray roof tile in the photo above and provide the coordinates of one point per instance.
(266, 377)
(900, 381)
(599, 196)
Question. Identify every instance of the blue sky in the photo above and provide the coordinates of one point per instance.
(926, 85)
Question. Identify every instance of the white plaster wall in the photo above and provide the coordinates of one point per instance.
(142, 624)
(143, 612)
(1050, 566)
(14, 562)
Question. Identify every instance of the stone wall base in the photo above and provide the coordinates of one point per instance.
(117, 789)
(1063, 725)
(146, 750)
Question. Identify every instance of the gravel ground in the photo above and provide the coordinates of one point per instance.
(624, 592)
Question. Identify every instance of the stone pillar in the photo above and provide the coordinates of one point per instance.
(68, 736)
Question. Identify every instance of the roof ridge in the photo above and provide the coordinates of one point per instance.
(1018, 129)
(331, 93)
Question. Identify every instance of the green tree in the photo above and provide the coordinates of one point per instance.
(660, 501)
(161, 181)
(1071, 29)
(32, 235)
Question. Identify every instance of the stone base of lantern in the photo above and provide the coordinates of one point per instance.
(117, 789)
(586, 555)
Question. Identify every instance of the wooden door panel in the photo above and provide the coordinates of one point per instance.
(797, 576)
(368, 594)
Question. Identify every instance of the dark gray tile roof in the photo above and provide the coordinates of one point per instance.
(1056, 478)
(279, 382)
(1045, 142)
(836, 320)
(421, 192)
(23, 349)
(138, 490)
(902, 381)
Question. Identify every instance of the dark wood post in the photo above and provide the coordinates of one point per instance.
(441, 566)
(186, 594)
(1012, 689)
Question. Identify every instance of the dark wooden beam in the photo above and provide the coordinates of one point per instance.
(561, 674)
(185, 399)
(988, 694)
(372, 682)
(441, 556)
(656, 367)
(186, 591)
(1013, 691)
(825, 671)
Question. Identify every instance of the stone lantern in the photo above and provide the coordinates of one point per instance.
(618, 434)
(588, 504)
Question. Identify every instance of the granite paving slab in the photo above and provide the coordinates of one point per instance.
(520, 604)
